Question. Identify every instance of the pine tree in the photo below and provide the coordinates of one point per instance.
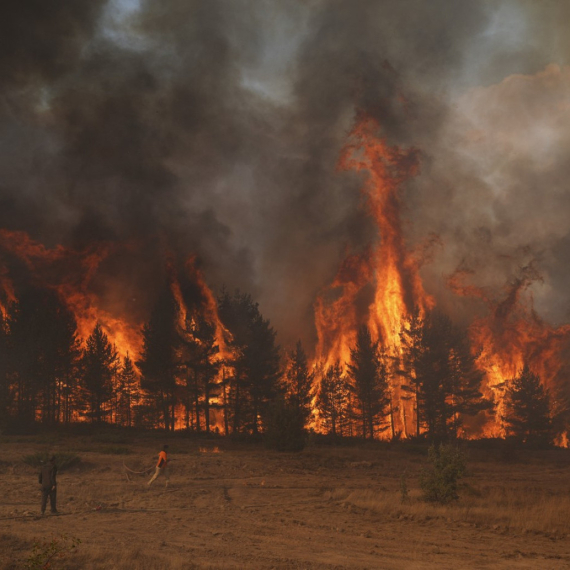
(411, 337)
(442, 374)
(370, 383)
(43, 353)
(255, 365)
(127, 390)
(62, 366)
(528, 416)
(465, 382)
(299, 384)
(99, 363)
(200, 352)
(158, 362)
(333, 400)
(434, 375)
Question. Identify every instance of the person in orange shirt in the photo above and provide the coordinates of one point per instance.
(161, 466)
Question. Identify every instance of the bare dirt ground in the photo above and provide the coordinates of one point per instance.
(243, 507)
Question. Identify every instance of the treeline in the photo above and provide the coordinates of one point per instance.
(433, 374)
(183, 380)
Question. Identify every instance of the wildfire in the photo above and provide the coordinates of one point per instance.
(70, 273)
(510, 336)
(207, 303)
(388, 267)
(203, 302)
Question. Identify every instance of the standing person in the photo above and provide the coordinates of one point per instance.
(47, 479)
(161, 466)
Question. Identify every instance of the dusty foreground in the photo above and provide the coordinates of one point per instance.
(242, 507)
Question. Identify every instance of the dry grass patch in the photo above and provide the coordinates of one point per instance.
(522, 509)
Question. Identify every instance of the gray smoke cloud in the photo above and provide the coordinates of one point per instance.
(215, 128)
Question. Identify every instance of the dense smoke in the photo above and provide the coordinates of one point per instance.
(214, 127)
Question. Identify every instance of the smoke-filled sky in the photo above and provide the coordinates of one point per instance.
(214, 127)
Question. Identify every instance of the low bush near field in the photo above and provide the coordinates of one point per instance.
(439, 480)
(49, 553)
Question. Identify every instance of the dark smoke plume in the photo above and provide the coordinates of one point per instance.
(214, 127)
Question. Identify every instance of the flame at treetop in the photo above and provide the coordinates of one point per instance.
(510, 336)
(381, 286)
(70, 272)
(208, 305)
(387, 272)
(388, 265)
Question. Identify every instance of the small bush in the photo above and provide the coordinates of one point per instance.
(46, 553)
(63, 460)
(439, 481)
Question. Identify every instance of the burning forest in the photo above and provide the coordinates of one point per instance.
(238, 229)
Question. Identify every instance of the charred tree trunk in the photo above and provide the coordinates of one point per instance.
(197, 401)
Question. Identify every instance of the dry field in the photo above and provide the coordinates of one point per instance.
(242, 507)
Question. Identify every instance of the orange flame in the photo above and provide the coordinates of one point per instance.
(70, 273)
(510, 336)
(208, 309)
(388, 268)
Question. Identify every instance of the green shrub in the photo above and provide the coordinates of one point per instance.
(63, 460)
(439, 480)
(46, 553)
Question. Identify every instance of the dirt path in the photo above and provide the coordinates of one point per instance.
(252, 509)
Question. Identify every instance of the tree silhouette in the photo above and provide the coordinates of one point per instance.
(199, 356)
(528, 416)
(299, 384)
(333, 400)
(255, 363)
(99, 363)
(368, 372)
(43, 354)
(158, 362)
(127, 391)
(411, 337)
(441, 371)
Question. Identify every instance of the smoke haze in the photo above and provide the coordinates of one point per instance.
(214, 127)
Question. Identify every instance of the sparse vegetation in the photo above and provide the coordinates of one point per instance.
(50, 553)
(331, 493)
(439, 481)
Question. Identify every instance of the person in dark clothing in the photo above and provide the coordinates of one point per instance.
(47, 479)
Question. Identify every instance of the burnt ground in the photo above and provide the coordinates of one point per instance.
(243, 507)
